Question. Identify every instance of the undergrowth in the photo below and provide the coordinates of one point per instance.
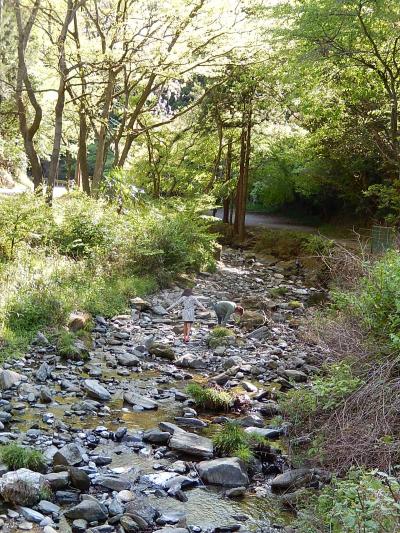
(82, 255)
(218, 335)
(16, 456)
(233, 441)
(210, 397)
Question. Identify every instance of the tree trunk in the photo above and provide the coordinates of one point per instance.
(228, 171)
(101, 141)
(242, 187)
(82, 151)
(394, 128)
(27, 132)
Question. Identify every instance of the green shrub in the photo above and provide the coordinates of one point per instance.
(24, 219)
(363, 502)
(318, 245)
(233, 441)
(218, 334)
(16, 456)
(275, 292)
(210, 398)
(324, 393)
(283, 244)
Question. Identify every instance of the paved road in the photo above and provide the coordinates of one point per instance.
(273, 221)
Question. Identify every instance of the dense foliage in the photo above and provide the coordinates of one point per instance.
(81, 254)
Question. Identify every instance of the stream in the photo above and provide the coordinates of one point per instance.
(111, 407)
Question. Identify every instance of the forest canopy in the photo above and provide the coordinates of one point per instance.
(273, 102)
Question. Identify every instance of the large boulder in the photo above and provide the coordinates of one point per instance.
(140, 401)
(69, 455)
(113, 482)
(252, 320)
(95, 390)
(228, 471)
(22, 487)
(162, 350)
(9, 378)
(89, 510)
(191, 444)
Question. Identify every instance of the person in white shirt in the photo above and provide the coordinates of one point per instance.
(189, 303)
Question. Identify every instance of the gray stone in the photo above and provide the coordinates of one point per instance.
(259, 333)
(21, 487)
(190, 422)
(43, 372)
(267, 433)
(190, 361)
(95, 390)
(79, 478)
(113, 482)
(116, 507)
(228, 471)
(128, 524)
(89, 510)
(296, 375)
(71, 454)
(297, 478)
(8, 379)
(45, 395)
(128, 359)
(156, 436)
(191, 444)
(48, 507)
(136, 399)
(31, 515)
(57, 480)
(79, 526)
(164, 351)
(252, 420)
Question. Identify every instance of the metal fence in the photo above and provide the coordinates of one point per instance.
(383, 238)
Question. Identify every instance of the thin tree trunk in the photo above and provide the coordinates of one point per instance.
(228, 171)
(242, 190)
(27, 132)
(101, 141)
(82, 151)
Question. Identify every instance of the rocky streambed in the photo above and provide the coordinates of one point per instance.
(126, 448)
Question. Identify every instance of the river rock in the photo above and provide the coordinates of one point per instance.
(57, 480)
(110, 482)
(128, 359)
(190, 422)
(79, 478)
(9, 378)
(95, 390)
(45, 395)
(162, 350)
(191, 361)
(296, 375)
(228, 471)
(70, 455)
(48, 507)
(21, 487)
(31, 514)
(89, 510)
(259, 333)
(299, 477)
(191, 444)
(156, 436)
(267, 433)
(136, 399)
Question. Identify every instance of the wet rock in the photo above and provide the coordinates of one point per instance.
(172, 517)
(156, 436)
(89, 510)
(162, 350)
(236, 492)
(21, 487)
(252, 420)
(136, 399)
(170, 427)
(191, 361)
(228, 471)
(70, 455)
(141, 508)
(79, 478)
(113, 482)
(95, 390)
(191, 444)
(190, 422)
(67, 497)
(9, 378)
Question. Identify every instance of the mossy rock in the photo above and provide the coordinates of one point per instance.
(252, 320)
(162, 350)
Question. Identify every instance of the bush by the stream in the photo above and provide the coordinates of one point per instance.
(362, 502)
(15, 456)
(233, 441)
(288, 244)
(82, 255)
(210, 397)
(218, 335)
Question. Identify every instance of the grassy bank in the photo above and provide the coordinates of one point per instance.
(82, 255)
(346, 419)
